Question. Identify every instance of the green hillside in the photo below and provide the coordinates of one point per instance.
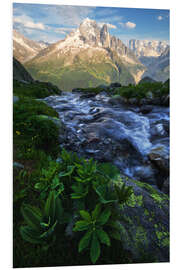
(71, 71)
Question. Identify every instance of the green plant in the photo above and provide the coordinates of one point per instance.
(87, 189)
(41, 224)
(49, 180)
(95, 234)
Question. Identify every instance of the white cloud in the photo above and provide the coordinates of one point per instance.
(129, 25)
(160, 18)
(27, 22)
(109, 25)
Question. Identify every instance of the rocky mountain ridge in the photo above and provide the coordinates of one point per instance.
(149, 48)
(159, 67)
(154, 55)
(23, 48)
(87, 57)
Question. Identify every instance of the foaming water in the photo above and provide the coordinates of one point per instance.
(130, 131)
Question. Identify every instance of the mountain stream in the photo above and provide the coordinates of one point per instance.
(120, 134)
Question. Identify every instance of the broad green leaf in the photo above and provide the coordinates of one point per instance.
(76, 196)
(50, 206)
(49, 231)
(104, 216)
(79, 191)
(55, 182)
(81, 225)
(29, 235)
(40, 185)
(84, 242)
(32, 216)
(85, 215)
(96, 212)
(83, 179)
(69, 172)
(106, 196)
(95, 248)
(103, 237)
(59, 210)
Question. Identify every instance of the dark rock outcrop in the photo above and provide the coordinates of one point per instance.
(20, 73)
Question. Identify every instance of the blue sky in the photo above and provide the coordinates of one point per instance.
(53, 22)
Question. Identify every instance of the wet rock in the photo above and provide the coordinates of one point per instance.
(88, 95)
(133, 101)
(146, 174)
(156, 101)
(146, 109)
(165, 124)
(159, 156)
(158, 130)
(63, 108)
(143, 101)
(91, 151)
(165, 187)
(116, 100)
(166, 100)
(94, 110)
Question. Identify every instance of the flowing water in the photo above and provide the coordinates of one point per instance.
(119, 134)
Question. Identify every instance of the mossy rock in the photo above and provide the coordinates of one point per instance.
(145, 222)
(55, 120)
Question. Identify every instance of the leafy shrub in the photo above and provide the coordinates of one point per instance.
(31, 131)
(80, 188)
(35, 89)
(141, 90)
(42, 223)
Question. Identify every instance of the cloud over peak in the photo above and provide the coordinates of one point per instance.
(129, 25)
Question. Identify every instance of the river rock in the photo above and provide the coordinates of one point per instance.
(133, 101)
(146, 174)
(88, 95)
(117, 99)
(146, 109)
(144, 221)
(166, 100)
(165, 187)
(159, 156)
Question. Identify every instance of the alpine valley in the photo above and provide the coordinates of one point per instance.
(90, 56)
